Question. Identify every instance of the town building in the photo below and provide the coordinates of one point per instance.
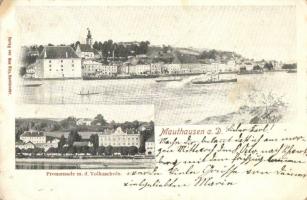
(58, 62)
(192, 68)
(53, 142)
(33, 136)
(119, 138)
(156, 68)
(24, 145)
(172, 68)
(150, 146)
(139, 69)
(90, 67)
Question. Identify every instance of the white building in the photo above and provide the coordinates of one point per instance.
(50, 143)
(84, 121)
(23, 145)
(58, 62)
(35, 137)
(172, 68)
(139, 69)
(192, 68)
(156, 68)
(90, 67)
(150, 146)
(119, 138)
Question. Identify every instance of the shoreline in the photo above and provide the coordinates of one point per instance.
(76, 161)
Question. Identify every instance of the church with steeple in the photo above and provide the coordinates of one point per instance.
(89, 38)
(86, 51)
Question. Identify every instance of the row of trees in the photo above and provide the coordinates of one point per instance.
(99, 123)
(109, 48)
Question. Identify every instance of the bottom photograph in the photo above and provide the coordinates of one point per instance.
(84, 137)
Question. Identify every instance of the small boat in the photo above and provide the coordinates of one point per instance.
(32, 84)
(250, 72)
(88, 93)
(169, 79)
(215, 81)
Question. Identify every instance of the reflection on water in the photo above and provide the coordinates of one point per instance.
(175, 102)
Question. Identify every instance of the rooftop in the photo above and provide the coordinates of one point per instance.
(57, 52)
(33, 134)
(87, 48)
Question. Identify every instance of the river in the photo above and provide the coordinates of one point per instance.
(175, 102)
(84, 164)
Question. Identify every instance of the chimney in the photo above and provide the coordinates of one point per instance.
(45, 54)
(66, 54)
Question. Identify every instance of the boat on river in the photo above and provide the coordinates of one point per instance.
(32, 84)
(167, 79)
(87, 92)
(212, 78)
(292, 71)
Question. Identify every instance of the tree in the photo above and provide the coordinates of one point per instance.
(109, 150)
(61, 143)
(40, 49)
(101, 150)
(96, 45)
(94, 139)
(133, 150)
(268, 66)
(73, 137)
(22, 71)
(99, 119)
(69, 122)
(17, 151)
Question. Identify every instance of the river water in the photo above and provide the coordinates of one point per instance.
(111, 164)
(175, 102)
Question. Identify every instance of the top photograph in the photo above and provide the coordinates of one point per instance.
(196, 64)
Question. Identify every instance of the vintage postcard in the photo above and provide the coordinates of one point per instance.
(179, 99)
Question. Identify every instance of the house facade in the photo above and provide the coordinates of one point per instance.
(119, 138)
(35, 137)
(150, 146)
(90, 67)
(139, 69)
(58, 62)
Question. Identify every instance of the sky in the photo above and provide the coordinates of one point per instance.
(118, 113)
(260, 32)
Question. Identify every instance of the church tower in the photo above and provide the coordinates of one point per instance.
(89, 37)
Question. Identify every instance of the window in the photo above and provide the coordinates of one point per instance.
(49, 69)
(72, 65)
(61, 61)
(49, 65)
(61, 69)
(61, 65)
(49, 61)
